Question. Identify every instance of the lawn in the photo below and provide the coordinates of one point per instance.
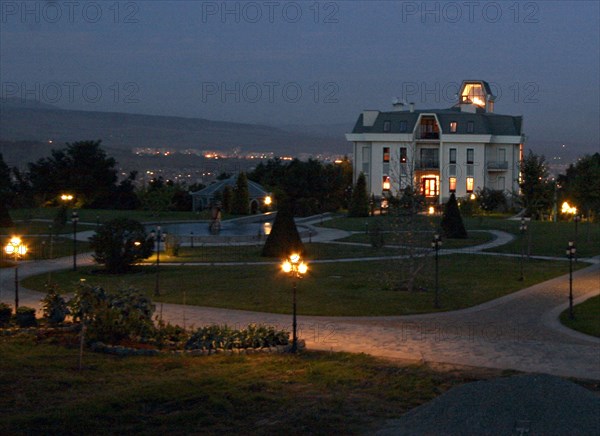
(311, 393)
(95, 216)
(42, 247)
(362, 288)
(423, 239)
(551, 239)
(252, 253)
(543, 237)
(587, 317)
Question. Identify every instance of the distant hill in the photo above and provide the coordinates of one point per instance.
(38, 122)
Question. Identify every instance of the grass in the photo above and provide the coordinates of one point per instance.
(551, 239)
(424, 239)
(587, 317)
(102, 215)
(547, 238)
(41, 228)
(311, 393)
(40, 247)
(252, 253)
(362, 288)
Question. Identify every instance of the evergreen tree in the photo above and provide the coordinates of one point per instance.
(284, 238)
(241, 197)
(227, 199)
(452, 224)
(5, 191)
(359, 204)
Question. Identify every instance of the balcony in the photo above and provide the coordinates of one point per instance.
(423, 134)
(427, 164)
(497, 166)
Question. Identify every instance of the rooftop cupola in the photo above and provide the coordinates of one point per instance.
(474, 95)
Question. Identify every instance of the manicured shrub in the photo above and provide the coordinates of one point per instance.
(25, 317)
(284, 238)
(54, 305)
(452, 224)
(5, 314)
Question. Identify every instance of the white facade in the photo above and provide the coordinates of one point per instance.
(461, 149)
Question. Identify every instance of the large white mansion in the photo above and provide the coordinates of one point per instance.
(460, 149)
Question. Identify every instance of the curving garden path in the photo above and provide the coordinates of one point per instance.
(520, 331)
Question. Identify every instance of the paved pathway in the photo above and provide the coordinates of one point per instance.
(519, 331)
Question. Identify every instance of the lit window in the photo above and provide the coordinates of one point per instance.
(470, 127)
(386, 183)
(387, 126)
(470, 184)
(453, 125)
(452, 184)
(386, 154)
(403, 155)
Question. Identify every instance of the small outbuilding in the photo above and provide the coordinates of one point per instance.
(206, 197)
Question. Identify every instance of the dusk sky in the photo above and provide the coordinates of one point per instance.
(309, 63)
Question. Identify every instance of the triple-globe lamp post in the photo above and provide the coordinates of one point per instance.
(296, 268)
(16, 248)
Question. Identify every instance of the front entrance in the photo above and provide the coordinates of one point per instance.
(430, 187)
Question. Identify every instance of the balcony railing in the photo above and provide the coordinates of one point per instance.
(427, 164)
(427, 135)
(497, 165)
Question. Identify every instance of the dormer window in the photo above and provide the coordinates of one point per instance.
(470, 127)
(387, 126)
(453, 126)
(403, 127)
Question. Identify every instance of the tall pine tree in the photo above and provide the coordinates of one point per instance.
(241, 198)
(284, 238)
(452, 224)
(359, 203)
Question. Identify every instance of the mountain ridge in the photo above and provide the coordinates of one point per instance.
(43, 122)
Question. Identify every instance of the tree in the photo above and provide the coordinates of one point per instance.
(311, 186)
(82, 168)
(452, 224)
(119, 243)
(536, 189)
(5, 193)
(241, 198)
(227, 199)
(581, 185)
(359, 203)
(284, 238)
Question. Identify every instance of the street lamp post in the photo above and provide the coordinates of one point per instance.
(296, 268)
(16, 248)
(576, 218)
(522, 229)
(571, 252)
(436, 243)
(75, 220)
(157, 237)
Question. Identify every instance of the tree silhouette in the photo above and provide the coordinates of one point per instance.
(241, 198)
(359, 204)
(284, 238)
(452, 224)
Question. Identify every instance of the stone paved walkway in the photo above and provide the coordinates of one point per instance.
(519, 331)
